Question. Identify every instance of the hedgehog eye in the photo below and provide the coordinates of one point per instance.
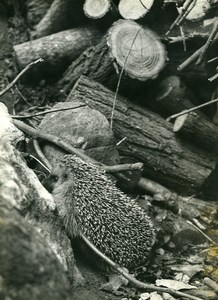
(54, 178)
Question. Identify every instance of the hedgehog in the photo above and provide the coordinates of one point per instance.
(91, 205)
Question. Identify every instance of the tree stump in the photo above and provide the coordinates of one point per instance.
(149, 138)
(127, 46)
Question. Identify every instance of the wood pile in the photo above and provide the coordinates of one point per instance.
(133, 82)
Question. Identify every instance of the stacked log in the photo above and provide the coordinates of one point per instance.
(92, 67)
(57, 50)
(127, 46)
(149, 138)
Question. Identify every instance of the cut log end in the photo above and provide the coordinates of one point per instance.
(96, 8)
(134, 10)
(179, 122)
(136, 49)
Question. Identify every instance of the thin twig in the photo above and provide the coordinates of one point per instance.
(201, 232)
(45, 112)
(39, 162)
(190, 59)
(121, 141)
(208, 42)
(213, 77)
(191, 109)
(213, 59)
(180, 16)
(120, 76)
(53, 139)
(189, 9)
(200, 53)
(10, 85)
(62, 144)
(139, 284)
(183, 38)
(45, 161)
(124, 167)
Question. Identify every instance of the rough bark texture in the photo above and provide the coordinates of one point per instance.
(197, 129)
(60, 16)
(36, 10)
(66, 46)
(150, 139)
(142, 58)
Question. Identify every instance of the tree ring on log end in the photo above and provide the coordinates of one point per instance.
(134, 9)
(96, 8)
(136, 49)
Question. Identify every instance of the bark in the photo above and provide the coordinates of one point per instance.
(60, 16)
(149, 139)
(98, 10)
(104, 61)
(36, 10)
(57, 50)
(199, 130)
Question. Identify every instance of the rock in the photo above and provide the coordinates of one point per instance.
(7, 130)
(83, 128)
(20, 187)
(29, 267)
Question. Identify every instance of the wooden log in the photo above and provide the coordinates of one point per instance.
(134, 9)
(97, 8)
(198, 130)
(127, 46)
(61, 15)
(172, 96)
(57, 50)
(36, 9)
(149, 138)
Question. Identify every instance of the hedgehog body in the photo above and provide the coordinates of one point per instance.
(90, 204)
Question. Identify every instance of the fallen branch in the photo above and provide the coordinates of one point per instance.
(191, 109)
(36, 134)
(43, 160)
(139, 284)
(210, 39)
(123, 167)
(189, 4)
(45, 112)
(10, 85)
(191, 59)
(200, 53)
